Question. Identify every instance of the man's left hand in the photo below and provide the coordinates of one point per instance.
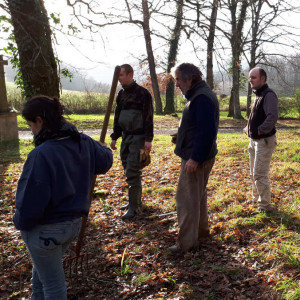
(148, 146)
(191, 166)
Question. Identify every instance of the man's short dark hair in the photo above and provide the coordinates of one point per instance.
(189, 71)
(128, 68)
(262, 72)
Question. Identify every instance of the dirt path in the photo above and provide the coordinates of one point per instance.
(26, 134)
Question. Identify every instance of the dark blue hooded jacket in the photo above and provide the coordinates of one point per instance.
(56, 180)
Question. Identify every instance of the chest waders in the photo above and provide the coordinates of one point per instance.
(131, 121)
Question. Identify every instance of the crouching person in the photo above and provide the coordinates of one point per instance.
(53, 192)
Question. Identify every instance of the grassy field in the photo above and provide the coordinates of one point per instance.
(95, 103)
(248, 256)
(94, 122)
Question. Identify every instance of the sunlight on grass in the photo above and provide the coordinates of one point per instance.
(267, 244)
(143, 278)
(290, 289)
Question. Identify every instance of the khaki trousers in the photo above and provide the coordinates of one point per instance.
(191, 203)
(260, 154)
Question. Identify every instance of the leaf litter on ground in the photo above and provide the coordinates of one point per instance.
(248, 256)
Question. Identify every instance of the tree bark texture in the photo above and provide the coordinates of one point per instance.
(151, 61)
(33, 37)
(173, 50)
(256, 7)
(210, 44)
(236, 46)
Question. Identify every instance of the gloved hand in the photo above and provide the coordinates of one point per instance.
(145, 158)
(174, 138)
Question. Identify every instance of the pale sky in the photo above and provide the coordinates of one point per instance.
(115, 45)
(121, 44)
(98, 58)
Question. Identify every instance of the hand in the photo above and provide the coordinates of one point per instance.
(245, 130)
(148, 146)
(174, 138)
(191, 166)
(102, 144)
(113, 145)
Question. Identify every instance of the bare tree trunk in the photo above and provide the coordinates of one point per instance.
(174, 42)
(210, 44)
(230, 109)
(236, 46)
(235, 91)
(249, 97)
(251, 66)
(33, 37)
(147, 35)
(256, 7)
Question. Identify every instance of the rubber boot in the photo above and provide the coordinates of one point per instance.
(135, 195)
(130, 214)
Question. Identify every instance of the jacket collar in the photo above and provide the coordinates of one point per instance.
(129, 87)
(189, 94)
(259, 92)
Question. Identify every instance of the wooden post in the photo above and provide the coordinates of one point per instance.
(3, 96)
(102, 139)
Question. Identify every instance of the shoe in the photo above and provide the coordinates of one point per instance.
(254, 213)
(124, 207)
(174, 249)
(130, 214)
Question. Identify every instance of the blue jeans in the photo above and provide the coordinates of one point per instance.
(47, 245)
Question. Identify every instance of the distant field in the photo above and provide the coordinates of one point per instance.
(76, 102)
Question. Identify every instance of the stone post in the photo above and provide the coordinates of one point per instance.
(8, 120)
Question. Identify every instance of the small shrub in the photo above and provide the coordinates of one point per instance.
(289, 107)
(14, 97)
(222, 96)
(297, 100)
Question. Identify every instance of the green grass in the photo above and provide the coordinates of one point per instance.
(15, 151)
(224, 115)
(96, 103)
(266, 243)
(143, 278)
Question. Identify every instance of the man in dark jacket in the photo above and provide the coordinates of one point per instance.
(134, 122)
(261, 131)
(196, 145)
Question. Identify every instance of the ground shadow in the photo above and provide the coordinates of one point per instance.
(212, 272)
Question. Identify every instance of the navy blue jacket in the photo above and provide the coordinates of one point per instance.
(197, 133)
(56, 180)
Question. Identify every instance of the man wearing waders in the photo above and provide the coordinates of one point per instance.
(134, 122)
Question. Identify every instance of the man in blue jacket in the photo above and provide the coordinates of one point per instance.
(196, 146)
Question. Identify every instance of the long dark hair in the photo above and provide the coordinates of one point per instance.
(55, 125)
(49, 109)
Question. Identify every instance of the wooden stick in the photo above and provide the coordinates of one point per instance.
(110, 103)
(102, 139)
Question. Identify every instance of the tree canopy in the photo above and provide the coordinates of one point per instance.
(225, 37)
